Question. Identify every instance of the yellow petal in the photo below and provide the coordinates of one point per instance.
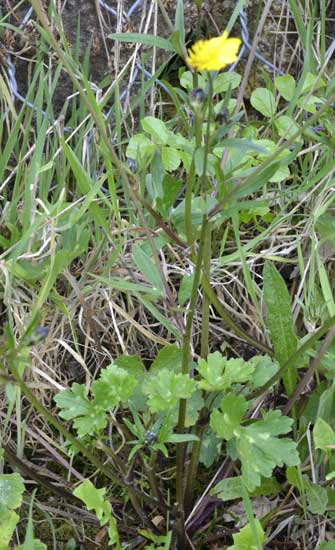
(213, 54)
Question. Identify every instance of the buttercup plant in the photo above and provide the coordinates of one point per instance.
(180, 239)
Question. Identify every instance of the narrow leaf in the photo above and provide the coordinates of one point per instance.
(280, 322)
(147, 39)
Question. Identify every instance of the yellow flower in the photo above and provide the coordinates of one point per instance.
(213, 54)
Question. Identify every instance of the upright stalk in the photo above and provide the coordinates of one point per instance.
(204, 252)
(181, 448)
(201, 425)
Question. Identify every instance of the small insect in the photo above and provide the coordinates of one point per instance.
(150, 438)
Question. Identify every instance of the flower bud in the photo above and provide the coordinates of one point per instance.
(197, 97)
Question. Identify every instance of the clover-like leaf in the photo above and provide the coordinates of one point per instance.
(115, 385)
(166, 388)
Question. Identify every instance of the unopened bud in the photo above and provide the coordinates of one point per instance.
(197, 97)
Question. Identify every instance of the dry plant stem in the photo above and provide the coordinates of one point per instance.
(151, 471)
(309, 373)
(26, 470)
(180, 455)
(227, 319)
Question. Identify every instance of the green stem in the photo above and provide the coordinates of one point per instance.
(180, 455)
(188, 203)
(205, 300)
(208, 133)
(194, 461)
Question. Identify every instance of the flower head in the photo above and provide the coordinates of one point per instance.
(213, 54)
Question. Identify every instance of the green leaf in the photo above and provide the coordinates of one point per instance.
(166, 388)
(294, 477)
(317, 498)
(325, 225)
(148, 268)
(11, 490)
(170, 158)
(156, 128)
(229, 488)
(36, 545)
(260, 451)
(280, 321)
(193, 406)
(286, 86)
(327, 545)
(140, 148)
(264, 369)
(114, 386)
(286, 126)
(181, 438)
(227, 422)
(323, 434)
(225, 81)
(134, 366)
(185, 289)
(179, 24)
(263, 101)
(74, 404)
(123, 285)
(8, 522)
(94, 499)
(245, 539)
(210, 447)
(171, 187)
(169, 357)
(309, 83)
(146, 39)
(220, 373)
(186, 80)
